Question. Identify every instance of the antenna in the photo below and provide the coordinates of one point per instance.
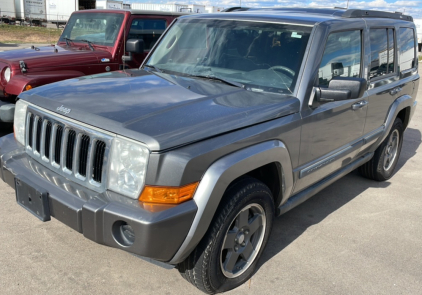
(347, 4)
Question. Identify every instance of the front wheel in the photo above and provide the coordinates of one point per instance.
(227, 255)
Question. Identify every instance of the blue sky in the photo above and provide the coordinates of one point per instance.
(412, 7)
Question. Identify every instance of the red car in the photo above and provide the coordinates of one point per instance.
(94, 41)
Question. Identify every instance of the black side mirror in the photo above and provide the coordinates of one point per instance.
(133, 46)
(341, 88)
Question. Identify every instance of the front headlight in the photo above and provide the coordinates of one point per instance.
(19, 120)
(128, 166)
(7, 74)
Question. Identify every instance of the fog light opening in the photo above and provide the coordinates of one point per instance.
(123, 233)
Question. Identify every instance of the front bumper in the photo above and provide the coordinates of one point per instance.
(157, 235)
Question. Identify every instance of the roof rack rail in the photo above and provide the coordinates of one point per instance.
(236, 8)
(358, 13)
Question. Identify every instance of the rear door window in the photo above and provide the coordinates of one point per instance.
(407, 46)
(382, 52)
(342, 56)
(148, 30)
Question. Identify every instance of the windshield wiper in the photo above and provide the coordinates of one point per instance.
(67, 41)
(154, 67)
(228, 82)
(89, 44)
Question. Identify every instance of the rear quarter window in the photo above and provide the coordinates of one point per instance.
(407, 45)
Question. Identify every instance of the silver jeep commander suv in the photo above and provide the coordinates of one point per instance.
(232, 120)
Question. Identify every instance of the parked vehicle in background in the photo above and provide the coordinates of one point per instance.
(59, 11)
(108, 4)
(7, 12)
(418, 24)
(94, 41)
(31, 11)
(232, 120)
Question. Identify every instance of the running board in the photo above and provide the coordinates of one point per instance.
(302, 196)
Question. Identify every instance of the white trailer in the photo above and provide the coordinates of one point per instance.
(418, 24)
(59, 11)
(7, 11)
(162, 7)
(109, 4)
(31, 10)
(213, 9)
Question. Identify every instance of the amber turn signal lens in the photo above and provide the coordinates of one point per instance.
(28, 87)
(168, 195)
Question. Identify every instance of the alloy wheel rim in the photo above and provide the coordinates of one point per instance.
(243, 240)
(391, 150)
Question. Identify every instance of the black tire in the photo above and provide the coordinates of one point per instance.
(379, 168)
(204, 267)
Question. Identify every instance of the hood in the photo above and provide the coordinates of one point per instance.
(40, 57)
(161, 110)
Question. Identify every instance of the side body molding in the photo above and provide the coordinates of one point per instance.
(218, 177)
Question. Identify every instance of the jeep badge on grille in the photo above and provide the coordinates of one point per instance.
(64, 110)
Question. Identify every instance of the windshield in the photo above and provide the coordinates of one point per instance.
(98, 28)
(261, 56)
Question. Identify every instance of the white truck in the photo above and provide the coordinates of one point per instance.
(418, 24)
(109, 4)
(59, 11)
(32, 11)
(7, 12)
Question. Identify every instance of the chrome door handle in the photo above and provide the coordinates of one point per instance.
(359, 105)
(395, 90)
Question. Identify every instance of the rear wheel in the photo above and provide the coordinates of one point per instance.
(227, 255)
(384, 161)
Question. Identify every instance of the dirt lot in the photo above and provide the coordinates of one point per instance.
(22, 34)
(355, 237)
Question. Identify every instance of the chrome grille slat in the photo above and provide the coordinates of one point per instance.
(53, 145)
(34, 135)
(41, 138)
(29, 127)
(89, 160)
(72, 150)
(64, 151)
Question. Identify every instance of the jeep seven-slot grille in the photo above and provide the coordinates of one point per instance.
(71, 150)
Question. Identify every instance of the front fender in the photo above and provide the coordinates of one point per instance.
(18, 83)
(218, 177)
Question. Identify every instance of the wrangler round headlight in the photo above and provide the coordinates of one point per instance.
(7, 74)
(128, 165)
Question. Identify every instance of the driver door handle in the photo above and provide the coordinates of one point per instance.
(395, 91)
(359, 105)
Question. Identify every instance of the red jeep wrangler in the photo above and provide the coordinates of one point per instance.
(94, 41)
